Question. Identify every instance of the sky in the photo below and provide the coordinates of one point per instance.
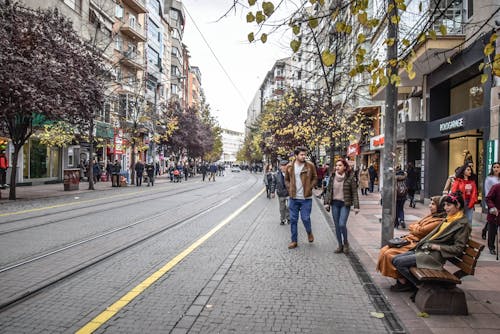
(247, 64)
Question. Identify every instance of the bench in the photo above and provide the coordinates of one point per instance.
(438, 293)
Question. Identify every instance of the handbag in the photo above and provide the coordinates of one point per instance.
(397, 242)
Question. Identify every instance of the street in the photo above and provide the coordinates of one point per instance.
(193, 257)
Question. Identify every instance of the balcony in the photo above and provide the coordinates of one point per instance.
(133, 31)
(137, 6)
(133, 59)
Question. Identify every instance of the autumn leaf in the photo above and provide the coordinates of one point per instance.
(395, 19)
(484, 78)
(252, 2)
(250, 17)
(296, 29)
(251, 37)
(489, 49)
(268, 8)
(361, 38)
(340, 26)
(328, 58)
(263, 38)
(432, 35)
(363, 18)
(443, 30)
(295, 45)
(390, 41)
(481, 66)
(412, 75)
(313, 22)
(259, 18)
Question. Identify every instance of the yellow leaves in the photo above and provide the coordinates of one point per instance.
(496, 65)
(260, 17)
(340, 26)
(412, 75)
(250, 17)
(395, 79)
(395, 19)
(448, 60)
(443, 30)
(493, 38)
(312, 22)
(251, 37)
(484, 78)
(481, 66)
(252, 2)
(361, 38)
(58, 134)
(489, 49)
(422, 38)
(420, 7)
(268, 8)
(296, 29)
(432, 35)
(335, 14)
(363, 18)
(405, 42)
(295, 45)
(390, 41)
(263, 38)
(328, 58)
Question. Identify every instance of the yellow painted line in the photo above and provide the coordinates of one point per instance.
(65, 204)
(112, 310)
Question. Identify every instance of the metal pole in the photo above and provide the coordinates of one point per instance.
(391, 99)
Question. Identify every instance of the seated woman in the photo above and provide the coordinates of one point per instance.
(417, 231)
(447, 240)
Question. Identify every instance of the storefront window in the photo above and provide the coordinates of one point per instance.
(466, 96)
(40, 161)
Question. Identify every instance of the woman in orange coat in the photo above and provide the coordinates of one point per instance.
(417, 231)
(465, 181)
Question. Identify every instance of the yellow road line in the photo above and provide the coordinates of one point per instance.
(110, 311)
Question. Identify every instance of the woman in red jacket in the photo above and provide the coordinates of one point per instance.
(465, 181)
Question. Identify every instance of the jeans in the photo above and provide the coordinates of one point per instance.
(340, 213)
(372, 184)
(304, 207)
(403, 263)
(400, 212)
(468, 212)
(284, 212)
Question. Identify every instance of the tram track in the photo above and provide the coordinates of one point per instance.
(72, 269)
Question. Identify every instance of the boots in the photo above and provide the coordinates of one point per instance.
(346, 248)
(339, 249)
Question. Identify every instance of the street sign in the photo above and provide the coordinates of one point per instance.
(491, 153)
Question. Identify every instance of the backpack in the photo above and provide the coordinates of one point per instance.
(401, 189)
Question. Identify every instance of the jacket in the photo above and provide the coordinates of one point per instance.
(4, 164)
(459, 184)
(493, 201)
(308, 177)
(281, 190)
(270, 181)
(401, 187)
(350, 191)
(363, 179)
(452, 242)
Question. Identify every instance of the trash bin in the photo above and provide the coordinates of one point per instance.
(71, 179)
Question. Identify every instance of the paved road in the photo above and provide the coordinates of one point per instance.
(215, 261)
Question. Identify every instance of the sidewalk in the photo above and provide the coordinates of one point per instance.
(482, 290)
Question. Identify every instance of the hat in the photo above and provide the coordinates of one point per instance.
(283, 162)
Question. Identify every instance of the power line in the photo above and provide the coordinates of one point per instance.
(215, 56)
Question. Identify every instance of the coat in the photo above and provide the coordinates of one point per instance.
(350, 191)
(417, 231)
(411, 179)
(308, 177)
(364, 178)
(4, 163)
(281, 190)
(493, 201)
(459, 184)
(270, 181)
(452, 242)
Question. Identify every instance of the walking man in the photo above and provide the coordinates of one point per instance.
(300, 178)
(139, 171)
(282, 193)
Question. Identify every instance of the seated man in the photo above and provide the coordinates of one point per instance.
(447, 240)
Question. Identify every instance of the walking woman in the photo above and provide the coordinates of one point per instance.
(492, 179)
(364, 181)
(465, 182)
(341, 194)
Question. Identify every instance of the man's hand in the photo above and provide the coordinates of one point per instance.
(273, 195)
(356, 211)
(327, 207)
(494, 211)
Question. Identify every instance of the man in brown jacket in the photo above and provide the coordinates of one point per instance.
(300, 178)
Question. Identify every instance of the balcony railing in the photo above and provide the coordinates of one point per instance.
(133, 58)
(138, 6)
(133, 31)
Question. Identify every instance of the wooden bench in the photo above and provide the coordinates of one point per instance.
(438, 293)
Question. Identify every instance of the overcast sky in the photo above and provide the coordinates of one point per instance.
(246, 64)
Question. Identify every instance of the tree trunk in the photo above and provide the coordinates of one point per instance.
(13, 173)
(132, 163)
(91, 160)
(332, 155)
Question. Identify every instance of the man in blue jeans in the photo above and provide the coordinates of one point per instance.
(300, 178)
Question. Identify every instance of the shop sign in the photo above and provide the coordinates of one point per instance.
(377, 142)
(452, 125)
(118, 142)
(491, 153)
(353, 150)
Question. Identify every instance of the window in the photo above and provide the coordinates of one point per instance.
(174, 14)
(175, 52)
(119, 42)
(154, 31)
(173, 88)
(175, 34)
(466, 96)
(105, 112)
(151, 83)
(155, 6)
(119, 74)
(153, 56)
(470, 8)
(74, 4)
(131, 21)
(119, 11)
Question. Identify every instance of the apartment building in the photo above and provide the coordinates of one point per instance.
(194, 87)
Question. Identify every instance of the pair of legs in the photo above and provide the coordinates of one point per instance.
(302, 206)
(284, 211)
(340, 213)
(372, 184)
(400, 213)
(468, 212)
(364, 191)
(151, 179)
(138, 179)
(411, 196)
(403, 263)
(492, 233)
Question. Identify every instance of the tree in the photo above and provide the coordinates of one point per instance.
(61, 83)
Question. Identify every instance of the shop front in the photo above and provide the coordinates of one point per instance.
(41, 163)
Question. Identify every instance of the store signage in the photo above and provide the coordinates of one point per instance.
(491, 153)
(377, 142)
(118, 142)
(353, 150)
(452, 125)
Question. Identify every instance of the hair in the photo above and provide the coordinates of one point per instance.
(346, 165)
(460, 172)
(299, 149)
(491, 169)
(456, 199)
(439, 201)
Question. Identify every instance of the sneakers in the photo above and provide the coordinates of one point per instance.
(282, 222)
(339, 249)
(493, 252)
(483, 233)
(310, 237)
(398, 287)
(292, 245)
(346, 248)
(403, 225)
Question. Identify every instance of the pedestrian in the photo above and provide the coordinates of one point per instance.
(4, 164)
(203, 170)
(150, 170)
(115, 174)
(401, 194)
(417, 231)
(300, 178)
(449, 182)
(96, 171)
(213, 170)
(108, 170)
(364, 178)
(186, 171)
(81, 166)
(341, 194)
(139, 173)
(493, 203)
(492, 179)
(373, 176)
(320, 171)
(282, 193)
(411, 183)
(157, 169)
(269, 180)
(445, 241)
(465, 182)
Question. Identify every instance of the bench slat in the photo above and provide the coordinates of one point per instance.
(434, 275)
